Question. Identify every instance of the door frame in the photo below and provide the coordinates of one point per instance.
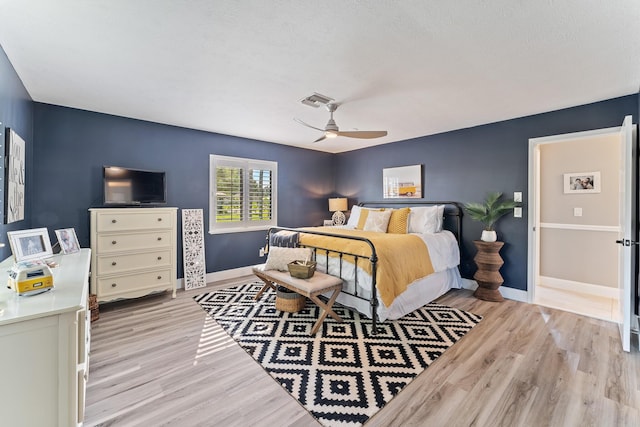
(533, 189)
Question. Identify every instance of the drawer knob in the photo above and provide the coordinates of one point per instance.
(113, 285)
(113, 242)
(159, 238)
(113, 263)
(159, 219)
(159, 277)
(159, 258)
(113, 221)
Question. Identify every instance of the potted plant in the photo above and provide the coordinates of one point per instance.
(489, 212)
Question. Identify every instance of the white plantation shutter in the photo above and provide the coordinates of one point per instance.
(243, 194)
(260, 184)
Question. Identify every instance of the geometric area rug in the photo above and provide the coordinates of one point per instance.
(343, 375)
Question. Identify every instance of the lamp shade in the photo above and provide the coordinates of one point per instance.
(338, 204)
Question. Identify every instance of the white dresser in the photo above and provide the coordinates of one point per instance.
(44, 347)
(133, 252)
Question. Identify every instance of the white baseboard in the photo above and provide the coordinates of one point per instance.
(469, 284)
(509, 293)
(579, 287)
(514, 294)
(223, 275)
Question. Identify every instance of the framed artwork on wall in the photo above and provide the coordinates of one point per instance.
(14, 177)
(582, 182)
(402, 182)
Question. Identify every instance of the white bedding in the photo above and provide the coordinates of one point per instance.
(445, 257)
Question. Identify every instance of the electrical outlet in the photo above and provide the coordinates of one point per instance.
(577, 211)
(517, 212)
(517, 196)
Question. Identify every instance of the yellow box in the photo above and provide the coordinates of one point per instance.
(27, 278)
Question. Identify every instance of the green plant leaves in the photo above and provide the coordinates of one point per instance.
(491, 210)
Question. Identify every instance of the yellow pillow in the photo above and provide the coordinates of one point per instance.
(364, 213)
(399, 221)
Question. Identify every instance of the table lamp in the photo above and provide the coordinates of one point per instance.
(337, 205)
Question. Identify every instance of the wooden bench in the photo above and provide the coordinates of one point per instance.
(311, 288)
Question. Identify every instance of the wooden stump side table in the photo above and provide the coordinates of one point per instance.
(488, 276)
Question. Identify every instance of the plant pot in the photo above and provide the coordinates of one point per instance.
(489, 236)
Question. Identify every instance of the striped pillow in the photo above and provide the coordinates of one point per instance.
(364, 213)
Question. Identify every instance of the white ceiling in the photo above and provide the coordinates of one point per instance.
(241, 67)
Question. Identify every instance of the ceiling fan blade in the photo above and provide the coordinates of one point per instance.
(364, 134)
(309, 126)
(323, 137)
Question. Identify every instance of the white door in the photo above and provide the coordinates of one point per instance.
(626, 229)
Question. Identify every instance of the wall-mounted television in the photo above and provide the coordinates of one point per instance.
(133, 187)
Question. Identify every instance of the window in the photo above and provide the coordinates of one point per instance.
(243, 194)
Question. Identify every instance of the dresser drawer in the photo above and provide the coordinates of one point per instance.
(120, 221)
(112, 264)
(125, 242)
(119, 284)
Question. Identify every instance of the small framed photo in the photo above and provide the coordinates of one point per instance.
(68, 240)
(28, 245)
(582, 182)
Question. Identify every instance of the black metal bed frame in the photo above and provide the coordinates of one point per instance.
(452, 222)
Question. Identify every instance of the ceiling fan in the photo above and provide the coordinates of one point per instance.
(331, 129)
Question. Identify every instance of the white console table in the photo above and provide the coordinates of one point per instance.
(44, 347)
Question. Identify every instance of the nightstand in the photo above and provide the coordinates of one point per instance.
(488, 276)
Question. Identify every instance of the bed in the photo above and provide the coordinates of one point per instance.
(387, 275)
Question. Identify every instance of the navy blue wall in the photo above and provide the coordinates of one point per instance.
(73, 145)
(16, 112)
(465, 164)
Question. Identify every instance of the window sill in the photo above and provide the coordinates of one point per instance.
(240, 229)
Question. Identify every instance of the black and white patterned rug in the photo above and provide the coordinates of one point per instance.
(343, 375)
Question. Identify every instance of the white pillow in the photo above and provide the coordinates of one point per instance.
(440, 218)
(377, 221)
(278, 257)
(354, 216)
(424, 219)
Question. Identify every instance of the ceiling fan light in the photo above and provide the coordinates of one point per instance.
(330, 133)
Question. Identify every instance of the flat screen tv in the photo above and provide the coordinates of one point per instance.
(134, 187)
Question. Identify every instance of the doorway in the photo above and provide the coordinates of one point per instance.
(579, 206)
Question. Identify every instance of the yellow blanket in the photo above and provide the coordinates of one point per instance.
(402, 258)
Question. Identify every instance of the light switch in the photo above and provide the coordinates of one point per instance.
(517, 212)
(577, 211)
(517, 196)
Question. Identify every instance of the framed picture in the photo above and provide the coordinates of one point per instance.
(68, 240)
(28, 245)
(582, 182)
(402, 182)
(14, 177)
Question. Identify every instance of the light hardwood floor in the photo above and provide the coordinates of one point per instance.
(590, 305)
(158, 361)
